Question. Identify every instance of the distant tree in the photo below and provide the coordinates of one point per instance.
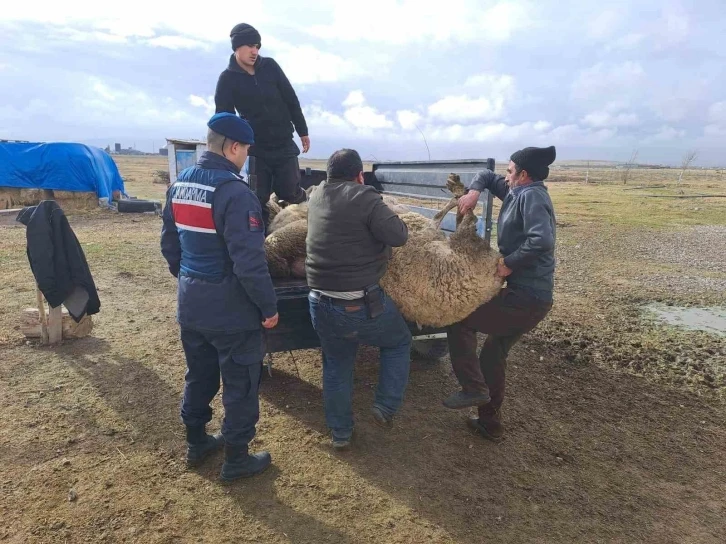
(625, 175)
(688, 159)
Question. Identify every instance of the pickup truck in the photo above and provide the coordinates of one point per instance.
(425, 180)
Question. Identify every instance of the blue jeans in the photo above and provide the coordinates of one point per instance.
(341, 328)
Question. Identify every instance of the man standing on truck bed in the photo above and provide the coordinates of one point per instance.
(258, 89)
(213, 240)
(526, 237)
(349, 239)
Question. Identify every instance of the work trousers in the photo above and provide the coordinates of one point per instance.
(279, 174)
(342, 326)
(238, 359)
(504, 319)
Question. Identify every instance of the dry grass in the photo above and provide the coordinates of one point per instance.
(595, 450)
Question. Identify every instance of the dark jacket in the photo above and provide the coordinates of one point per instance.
(525, 232)
(213, 240)
(56, 257)
(350, 234)
(268, 102)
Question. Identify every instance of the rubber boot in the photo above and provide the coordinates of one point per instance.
(200, 445)
(238, 463)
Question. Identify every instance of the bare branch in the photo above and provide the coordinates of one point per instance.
(688, 158)
(629, 166)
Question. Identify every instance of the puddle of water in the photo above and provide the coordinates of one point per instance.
(711, 319)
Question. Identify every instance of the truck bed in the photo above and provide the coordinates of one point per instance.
(295, 330)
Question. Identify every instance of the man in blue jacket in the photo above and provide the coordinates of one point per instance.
(257, 88)
(526, 237)
(212, 238)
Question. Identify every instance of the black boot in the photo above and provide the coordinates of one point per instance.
(200, 445)
(238, 463)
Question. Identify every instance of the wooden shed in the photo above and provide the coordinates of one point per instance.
(182, 154)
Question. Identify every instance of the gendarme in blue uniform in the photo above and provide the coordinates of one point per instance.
(213, 240)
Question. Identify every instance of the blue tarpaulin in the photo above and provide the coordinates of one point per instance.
(59, 166)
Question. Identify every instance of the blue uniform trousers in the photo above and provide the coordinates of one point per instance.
(237, 357)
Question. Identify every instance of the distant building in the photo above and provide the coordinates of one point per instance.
(164, 151)
(183, 153)
(117, 148)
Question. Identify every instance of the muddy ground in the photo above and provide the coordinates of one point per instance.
(616, 427)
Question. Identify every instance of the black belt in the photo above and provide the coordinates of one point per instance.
(342, 301)
(361, 301)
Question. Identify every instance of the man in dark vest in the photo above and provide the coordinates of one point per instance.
(213, 239)
(258, 89)
(526, 237)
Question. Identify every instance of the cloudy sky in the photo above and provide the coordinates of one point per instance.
(477, 78)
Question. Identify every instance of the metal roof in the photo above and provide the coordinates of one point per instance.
(185, 141)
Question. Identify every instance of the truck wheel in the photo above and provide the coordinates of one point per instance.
(431, 349)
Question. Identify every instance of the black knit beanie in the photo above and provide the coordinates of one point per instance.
(244, 34)
(535, 160)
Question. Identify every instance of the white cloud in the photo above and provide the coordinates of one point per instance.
(574, 134)
(362, 116)
(462, 108)
(132, 18)
(408, 119)
(717, 113)
(489, 96)
(715, 131)
(354, 98)
(201, 102)
(177, 42)
(604, 24)
(305, 64)
(358, 117)
(321, 121)
(673, 27)
(101, 106)
(413, 21)
(527, 133)
(717, 121)
(603, 119)
(604, 80)
(494, 84)
(76, 35)
(627, 42)
(666, 134)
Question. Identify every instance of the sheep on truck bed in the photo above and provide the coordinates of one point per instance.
(414, 180)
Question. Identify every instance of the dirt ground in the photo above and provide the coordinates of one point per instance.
(616, 426)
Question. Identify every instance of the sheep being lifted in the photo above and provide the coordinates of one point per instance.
(434, 280)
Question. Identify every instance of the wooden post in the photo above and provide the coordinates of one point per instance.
(51, 328)
(43, 321)
(55, 325)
